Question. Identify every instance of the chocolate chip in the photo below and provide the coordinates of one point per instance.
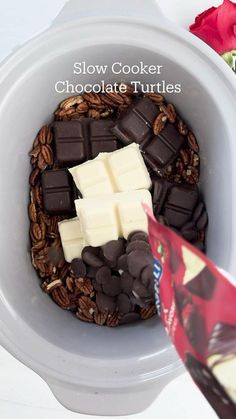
(137, 261)
(138, 235)
(96, 285)
(123, 303)
(122, 263)
(137, 245)
(113, 250)
(129, 318)
(126, 281)
(198, 211)
(91, 272)
(203, 220)
(147, 276)
(113, 287)
(139, 289)
(89, 256)
(105, 303)
(103, 275)
(78, 267)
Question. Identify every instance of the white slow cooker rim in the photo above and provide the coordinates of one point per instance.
(7, 66)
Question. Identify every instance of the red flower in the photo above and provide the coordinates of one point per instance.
(217, 27)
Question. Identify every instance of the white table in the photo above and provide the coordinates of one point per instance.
(22, 393)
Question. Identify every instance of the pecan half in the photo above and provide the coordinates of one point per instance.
(159, 123)
(34, 176)
(47, 154)
(155, 97)
(113, 319)
(84, 285)
(87, 306)
(61, 297)
(192, 142)
(100, 318)
(148, 312)
(32, 212)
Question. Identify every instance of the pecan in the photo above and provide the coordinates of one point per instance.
(182, 127)
(84, 316)
(64, 271)
(42, 135)
(106, 113)
(82, 108)
(34, 176)
(35, 151)
(61, 297)
(159, 123)
(184, 156)
(44, 218)
(108, 101)
(49, 137)
(116, 98)
(84, 285)
(192, 142)
(40, 266)
(87, 306)
(36, 232)
(148, 312)
(72, 101)
(93, 98)
(70, 283)
(113, 319)
(42, 165)
(100, 318)
(43, 230)
(38, 245)
(169, 111)
(127, 99)
(179, 166)
(93, 113)
(36, 142)
(191, 175)
(32, 212)
(195, 160)
(48, 288)
(155, 97)
(47, 154)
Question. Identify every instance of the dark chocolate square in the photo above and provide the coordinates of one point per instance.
(82, 140)
(58, 192)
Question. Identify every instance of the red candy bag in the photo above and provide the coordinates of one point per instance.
(197, 305)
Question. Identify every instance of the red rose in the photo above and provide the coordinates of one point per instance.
(217, 27)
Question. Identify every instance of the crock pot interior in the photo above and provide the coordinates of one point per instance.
(30, 104)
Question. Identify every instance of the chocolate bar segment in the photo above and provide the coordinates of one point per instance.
(136, 126)
(175, 202)
(58, 192)
(81, 140)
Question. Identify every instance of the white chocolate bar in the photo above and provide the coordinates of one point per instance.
(112, 216)
(119, 171)
(71, 238)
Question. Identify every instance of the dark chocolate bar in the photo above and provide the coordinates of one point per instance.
(175, 202)
(59, 192)
(81, 140)
(136, 126)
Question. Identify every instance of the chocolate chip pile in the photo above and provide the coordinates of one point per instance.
(112, 284)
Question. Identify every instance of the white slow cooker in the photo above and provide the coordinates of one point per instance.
(91, 369)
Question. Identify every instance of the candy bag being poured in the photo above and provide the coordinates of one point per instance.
(197, 305)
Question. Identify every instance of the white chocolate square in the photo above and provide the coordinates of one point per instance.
(128, 169)
(112, 216)
(119, 171)
(91, 178)
(99, 223)
(71, 238)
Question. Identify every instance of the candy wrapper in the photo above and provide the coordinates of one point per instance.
(197, 306)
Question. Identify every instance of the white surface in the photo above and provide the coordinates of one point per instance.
(22, 392)
(26, 395)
